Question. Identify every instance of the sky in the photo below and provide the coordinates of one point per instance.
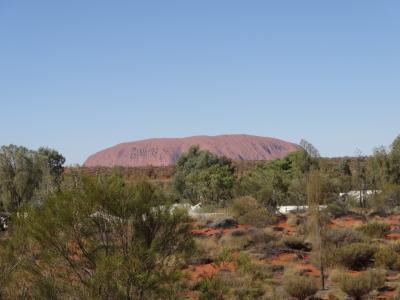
(80, 76)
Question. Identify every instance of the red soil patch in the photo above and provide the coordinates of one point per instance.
(353, 273)
(284, 226)
(345, 222)
(393, 220)
(387, 294)
(214, 231)
(393, 236)
(393, 277)
(297, 262)
(309, 269)
(209, 270)
(284, 258)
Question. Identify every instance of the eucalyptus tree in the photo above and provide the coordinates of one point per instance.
(27, 175)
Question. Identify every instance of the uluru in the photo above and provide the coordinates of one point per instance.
(166, 151)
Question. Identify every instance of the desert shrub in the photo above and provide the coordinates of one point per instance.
(355, 256)
(335, 274)
(212, 288)
(387, 257)
(359, 285)
(249, 211)
(337, 209)
(224, 256)
(257, 236)
(243, 263)
(300, 287)
(341, 236)
(201, 176)
(293, 220)
(83, 232)
(375, 229)
(207, 247)
(396, 247)
(234, 242)
(241, 205)
(295, 243)
(336, 238)
(390, 196)
(249, 293)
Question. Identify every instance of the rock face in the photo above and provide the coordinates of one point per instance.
(166, 151)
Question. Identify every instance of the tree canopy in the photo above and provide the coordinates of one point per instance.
(202, 177)
(105, 239)
(27, 175)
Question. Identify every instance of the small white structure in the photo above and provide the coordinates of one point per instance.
(293, 208)
(358, 195)
(193, 210)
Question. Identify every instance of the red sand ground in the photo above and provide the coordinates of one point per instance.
(297, 261)
(209, 270)
(285, 227)
(214, 231)
(393, 236)
(283, 258)
(345, 222)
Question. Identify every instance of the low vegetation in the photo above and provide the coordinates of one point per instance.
(107, 234)
(300, 287)
(361, 284)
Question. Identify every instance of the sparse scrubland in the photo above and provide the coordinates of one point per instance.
(118, 234)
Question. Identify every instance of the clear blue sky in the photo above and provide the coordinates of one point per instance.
(80, 76)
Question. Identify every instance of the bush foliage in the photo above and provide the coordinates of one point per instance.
(359, 285)
(300, 287)
(202, 177)
(375, 229)
(355, 256)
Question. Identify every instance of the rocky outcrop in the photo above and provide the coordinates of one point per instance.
(166, 151)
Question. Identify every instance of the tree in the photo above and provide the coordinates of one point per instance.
(394, 170)
(309, 148)
(344, 167)
(203, 177)
(104, 240)
(360, 177)
(53, 163)
(268, 182)
(18, 175)
(50, 163)
(278, 182)
(26, 175)
(315, 197)
(344, 175)
(377, 169)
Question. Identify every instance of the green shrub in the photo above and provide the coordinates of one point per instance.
(359, 285)
(293, 220)
(212, 288)
(341, 236)
(296, 243)
(396, 247)
(387, 257)
(300, 287)
(337, 210)
(249, 293)
(390, 196)
(248, 210)
(355, 256)
(243, 263)
(224, 256)
(375, 229)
